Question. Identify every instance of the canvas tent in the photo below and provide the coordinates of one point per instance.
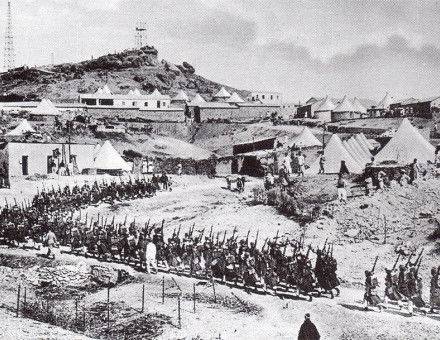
(366, 141)
(108, 159)
(222, 93)
(385, 102)
(306, 139)
(181, 96)
(46, 108)
(406, 145)
(197, 100)
(235, 98)
(366, 156)
(344, 106)
(353, 152)
(358, 106)
(21, 129)
(334, 153)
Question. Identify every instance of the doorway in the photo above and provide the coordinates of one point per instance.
(24, 165)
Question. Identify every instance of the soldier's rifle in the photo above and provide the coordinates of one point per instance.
(264, 244)
(419, 257)
(178, 231)
(418, 264)
(247, 237)
(276, 237)
(256, 239)
(233, 232)
(224, 238)
(125, 220)
(210, 232)
(374, 265)
(409, 260)
(395, 263)
(201, 234)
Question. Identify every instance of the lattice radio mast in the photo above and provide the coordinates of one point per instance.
(141, 34)
(9, 42)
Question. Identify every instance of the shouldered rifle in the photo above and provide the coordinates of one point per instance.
(210, 232)
(374, 265)
(224, 238)
(125, 220)
(247, 236)
(256, 239)
(264, 244)
(395, 263)
(419, 257)
(409, 260)
(276, 237)
(178, 231)
(233, 232)
(418, 264)
(201, 234)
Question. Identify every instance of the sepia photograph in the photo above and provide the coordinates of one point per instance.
(220, 170)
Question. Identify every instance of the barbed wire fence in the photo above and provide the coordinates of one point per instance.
(98, 318)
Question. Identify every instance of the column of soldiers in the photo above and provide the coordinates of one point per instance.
(53, 209)
(403, 285)
(227, 258)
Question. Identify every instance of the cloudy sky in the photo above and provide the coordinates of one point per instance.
(301, 48)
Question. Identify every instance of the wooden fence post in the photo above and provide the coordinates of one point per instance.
(143, 298)
(194, 297)
(18, 299)
(163, 289)
(178, 311)
(108, 309)
(213, 288)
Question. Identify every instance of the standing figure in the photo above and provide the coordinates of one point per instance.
(308, 330)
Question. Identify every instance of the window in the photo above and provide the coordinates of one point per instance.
(133, 103)
(107, 102)
(158, 104)
(146, 104)
(123, 103)
(271, 97)
(164, 104)
(263, 96)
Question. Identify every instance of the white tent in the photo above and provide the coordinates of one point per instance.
(366, 156)
(181, 96)
(366, 142)
(136, 92)
(306, 139)
(106, 89)
(156, 93)
(222, 93)
(235, 98)
(362, 144)
(21, 129)
(358, 106)
(327, 105)
(385, 102)
(108, 158)
(344, 106)
(99, 91)
(353, 153)
(197, 99)
(406, 145)
(334, 153)
(46, 108)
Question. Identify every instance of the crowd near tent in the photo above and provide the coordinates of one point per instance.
(406, 145)
(334, 153)
(108, 159)
(306, 139)
(22, 128)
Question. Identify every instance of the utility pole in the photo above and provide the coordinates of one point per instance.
(9, 56)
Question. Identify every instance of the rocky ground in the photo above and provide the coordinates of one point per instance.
(356, 229)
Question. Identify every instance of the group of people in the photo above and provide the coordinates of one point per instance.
(279, 262)
(294, 162)
(403, 285)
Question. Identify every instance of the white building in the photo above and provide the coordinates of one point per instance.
(23, 159)
(104, 98)
(266, 97)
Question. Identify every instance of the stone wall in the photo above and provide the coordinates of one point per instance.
(135, 114)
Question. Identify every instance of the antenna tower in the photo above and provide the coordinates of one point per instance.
(141, 34)
(9, 42)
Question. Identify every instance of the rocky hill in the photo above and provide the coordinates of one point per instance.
(122, 71)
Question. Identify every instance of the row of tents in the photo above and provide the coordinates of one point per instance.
(406, 145)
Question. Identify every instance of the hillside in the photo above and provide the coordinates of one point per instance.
(121, 71)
